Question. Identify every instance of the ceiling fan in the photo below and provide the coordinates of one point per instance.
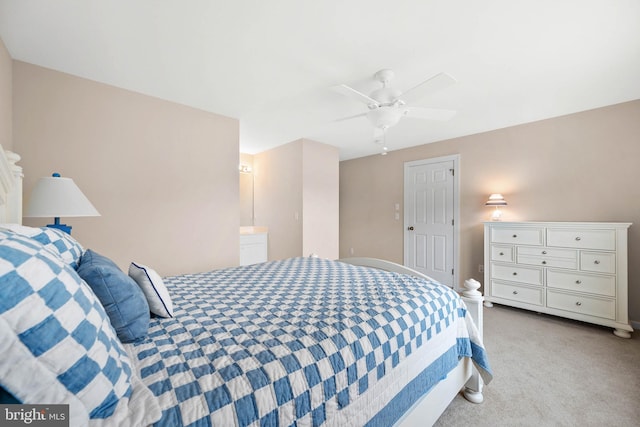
(387, 105)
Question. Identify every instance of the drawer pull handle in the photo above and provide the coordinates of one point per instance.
(596, 262)
(515, 235)
(544, 262)
(578, 238)
(578, 282)
(515, 273)
(501, 253)
(515, 292)
(578, 303)
(544, 252)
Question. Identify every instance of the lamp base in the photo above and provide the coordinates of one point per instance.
(64, 227)
(497, 215)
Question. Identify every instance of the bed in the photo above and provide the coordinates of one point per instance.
(301, 341)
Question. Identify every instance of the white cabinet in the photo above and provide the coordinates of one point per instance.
(253, 245)
(576, 270)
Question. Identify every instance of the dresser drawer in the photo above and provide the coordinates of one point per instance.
(549, 262)
(599, 262)
(548, 257)
(584, 239)
(517, 293)
(548, 252)
(502, 253)
(523, 236)
(589, 306)
(573, 281)
(520, 274)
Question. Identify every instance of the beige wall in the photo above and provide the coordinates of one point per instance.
(6, 108)
(164, 176)
(320, 195)
(296, 197)
(580, 167)
(278, 198)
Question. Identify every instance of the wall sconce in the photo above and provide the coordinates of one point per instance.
(55, 196)
(496, 200)
(245, 169)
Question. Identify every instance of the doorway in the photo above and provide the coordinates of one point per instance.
(431, 218)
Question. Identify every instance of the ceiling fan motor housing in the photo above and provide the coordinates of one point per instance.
(385, 95)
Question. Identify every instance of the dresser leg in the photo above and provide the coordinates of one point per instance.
(621, 333)
(488, 304)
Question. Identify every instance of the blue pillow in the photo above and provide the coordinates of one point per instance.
(120, 295)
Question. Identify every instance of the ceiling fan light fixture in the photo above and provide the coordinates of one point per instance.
(384, 117)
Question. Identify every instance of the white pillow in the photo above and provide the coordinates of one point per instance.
(154, 289)
(57, 241)
(58, 345)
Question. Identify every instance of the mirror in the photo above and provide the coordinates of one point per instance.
(246, 190)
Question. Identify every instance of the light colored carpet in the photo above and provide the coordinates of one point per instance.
(550, 371)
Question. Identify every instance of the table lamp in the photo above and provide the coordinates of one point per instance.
(55, 196)
(496, 200)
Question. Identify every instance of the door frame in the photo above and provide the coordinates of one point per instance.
(456, 211)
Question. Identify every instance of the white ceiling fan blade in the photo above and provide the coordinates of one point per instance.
(433, 84)
(429, 113)
(354, 94)
(350, 117)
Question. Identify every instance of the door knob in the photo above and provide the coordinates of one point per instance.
(410, 228)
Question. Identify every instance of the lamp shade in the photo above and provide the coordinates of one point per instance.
(57, 196)
(496, 200)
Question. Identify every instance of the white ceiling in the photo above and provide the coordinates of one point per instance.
(271, 64)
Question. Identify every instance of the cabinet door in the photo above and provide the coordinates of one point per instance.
(253, 249)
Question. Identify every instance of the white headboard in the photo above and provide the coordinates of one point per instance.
(10, 188)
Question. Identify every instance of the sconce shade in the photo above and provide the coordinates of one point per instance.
(496, 200)
(57, 196)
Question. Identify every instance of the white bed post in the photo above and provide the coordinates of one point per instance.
(10, 188)
(473, 300)
(14, 213)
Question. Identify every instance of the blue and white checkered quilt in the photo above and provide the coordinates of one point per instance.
(274, 344)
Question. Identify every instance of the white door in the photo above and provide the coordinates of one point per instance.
(430, 218)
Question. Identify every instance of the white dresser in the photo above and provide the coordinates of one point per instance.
(576, 270)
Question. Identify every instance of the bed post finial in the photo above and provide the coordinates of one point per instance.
(471, 288)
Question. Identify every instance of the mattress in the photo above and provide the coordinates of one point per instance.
(302, 341)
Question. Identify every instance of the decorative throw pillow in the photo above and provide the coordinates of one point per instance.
(57, 343)
(119, 294)
(53, 239)
(154, 289)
